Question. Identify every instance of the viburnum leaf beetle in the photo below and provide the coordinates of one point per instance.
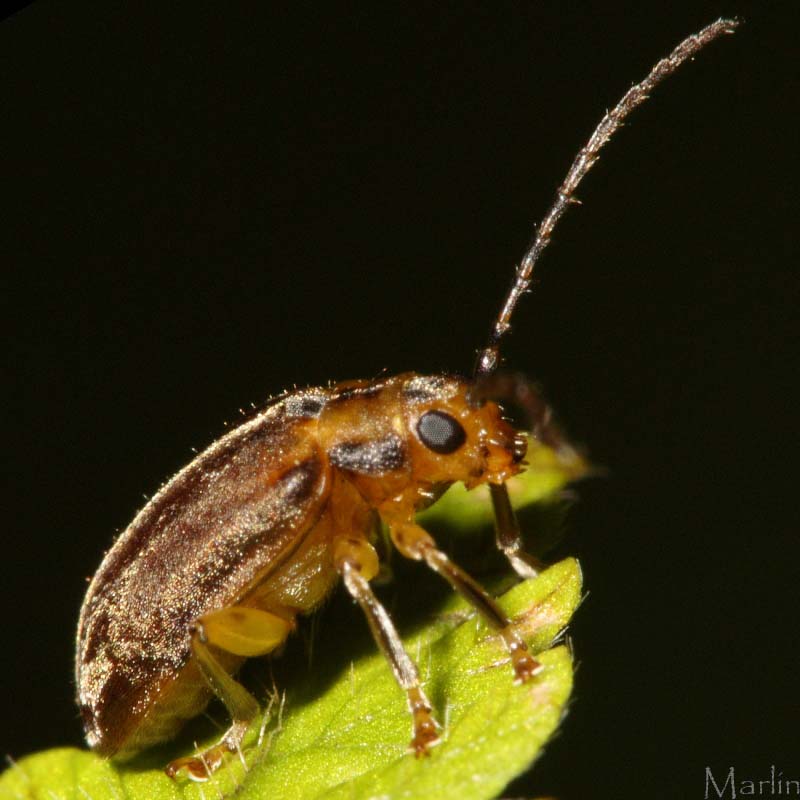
(258, 528)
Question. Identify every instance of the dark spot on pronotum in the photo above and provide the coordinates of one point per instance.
(372, 457)
(423, 388)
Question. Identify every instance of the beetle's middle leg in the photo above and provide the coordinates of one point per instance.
(241, 631)
(357, 562)
(416, 543)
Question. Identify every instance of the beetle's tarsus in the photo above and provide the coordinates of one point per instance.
(525, 666)
(423, 741)
(426, 731)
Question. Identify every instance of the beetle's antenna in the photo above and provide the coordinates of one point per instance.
(489, 358)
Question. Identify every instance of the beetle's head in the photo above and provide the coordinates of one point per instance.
(453, 436)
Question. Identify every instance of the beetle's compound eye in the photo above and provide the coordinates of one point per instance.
(440, 432)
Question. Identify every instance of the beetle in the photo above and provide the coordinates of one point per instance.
(259, 527)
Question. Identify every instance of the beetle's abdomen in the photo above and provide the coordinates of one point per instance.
(214, 531)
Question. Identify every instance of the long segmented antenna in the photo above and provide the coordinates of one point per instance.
(489, 358)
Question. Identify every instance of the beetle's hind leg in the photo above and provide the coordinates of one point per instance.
(416, 543)
(244, 632)
(357, 562)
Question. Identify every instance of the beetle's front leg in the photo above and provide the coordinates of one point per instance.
(357, 562)
(244, 632)
(508, 536)
(414, 542)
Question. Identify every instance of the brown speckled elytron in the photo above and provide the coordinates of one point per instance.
(257, 529)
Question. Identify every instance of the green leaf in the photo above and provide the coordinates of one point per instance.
(342, 728)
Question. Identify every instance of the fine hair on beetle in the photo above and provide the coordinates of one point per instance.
(258, 528)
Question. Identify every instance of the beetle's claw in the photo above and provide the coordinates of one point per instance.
(525, 666)
(198, 768)
(426, 735)
(422, 742)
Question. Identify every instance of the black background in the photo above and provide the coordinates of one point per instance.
(203, 205)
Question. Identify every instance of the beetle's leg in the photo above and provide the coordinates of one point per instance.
(414, 542)
(357, 562)
(244, 632)
(508, 536)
